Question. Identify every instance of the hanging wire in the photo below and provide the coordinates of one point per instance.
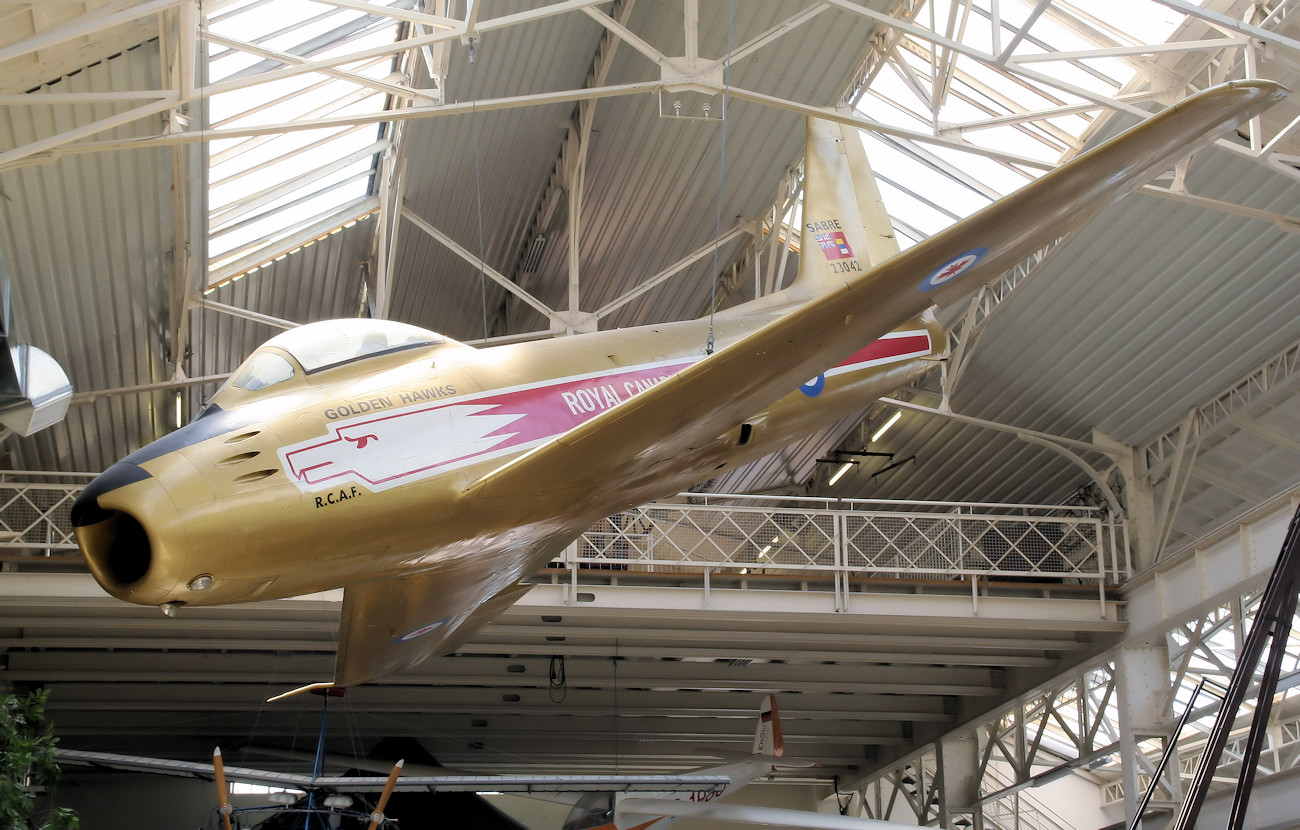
(615, 662)
(478, 180)
(558, 687)
(722, 171)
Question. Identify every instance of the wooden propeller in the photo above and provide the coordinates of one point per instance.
(378, 815)
(223, 794)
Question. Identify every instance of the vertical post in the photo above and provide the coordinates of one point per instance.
(839, 544)
(1252, 71)
(691, 21)
(574, 170)
(959, 780)
(571, 554)
(1101, 568)
(1141, 685)
(1141, 507)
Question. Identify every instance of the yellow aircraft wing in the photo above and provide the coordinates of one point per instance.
(394, 624)
(673, 433)
(683, 414)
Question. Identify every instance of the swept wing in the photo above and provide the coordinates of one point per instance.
(822, 319)
(669, 420)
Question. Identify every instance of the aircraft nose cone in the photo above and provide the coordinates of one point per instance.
(117, 520)
(86, 510)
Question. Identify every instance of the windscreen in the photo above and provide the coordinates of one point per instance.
(321, 345)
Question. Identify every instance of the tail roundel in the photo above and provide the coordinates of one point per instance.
(767, 737)
(846, 230)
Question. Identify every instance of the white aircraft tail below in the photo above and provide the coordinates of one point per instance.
(767, 736)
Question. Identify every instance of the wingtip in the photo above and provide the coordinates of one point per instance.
(1257, 94)
(309, 687)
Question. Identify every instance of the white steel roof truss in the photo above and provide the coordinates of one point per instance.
(557, 183)
(490, 272)
(1261, 384)
(269, 133)
(83, 25)
(245, 314)
(398, 13)
(351, 76)
(965, 333)
(672, 270)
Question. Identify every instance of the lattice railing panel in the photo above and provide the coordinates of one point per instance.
(901, 544)
(37, 516)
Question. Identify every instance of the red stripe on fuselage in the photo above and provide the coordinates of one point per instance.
(889, 347)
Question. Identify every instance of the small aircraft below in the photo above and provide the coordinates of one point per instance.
(428, 479)
(599, 802)
(611, 810)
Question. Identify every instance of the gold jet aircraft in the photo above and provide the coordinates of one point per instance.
(428, 478)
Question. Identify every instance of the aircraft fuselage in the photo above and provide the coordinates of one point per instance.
(360, 470)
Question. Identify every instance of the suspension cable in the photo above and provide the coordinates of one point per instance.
(722, 171)
(478, 181)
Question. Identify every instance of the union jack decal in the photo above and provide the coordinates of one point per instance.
(834, 245)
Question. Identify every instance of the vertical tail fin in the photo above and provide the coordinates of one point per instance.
(845, 230)
(768, 739)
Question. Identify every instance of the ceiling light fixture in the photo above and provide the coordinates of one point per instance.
(875, 436)
(839, 474)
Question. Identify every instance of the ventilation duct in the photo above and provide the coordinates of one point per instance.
(34, 389)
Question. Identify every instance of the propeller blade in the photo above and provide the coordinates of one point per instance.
(378, 815)
(223, 793)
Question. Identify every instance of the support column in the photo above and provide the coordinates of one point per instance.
(959, 782)
(1140, 506)
(1142, 687)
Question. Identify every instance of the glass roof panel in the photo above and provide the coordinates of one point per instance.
(265, 191)
(1012, 107)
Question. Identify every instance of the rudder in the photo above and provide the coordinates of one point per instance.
(768, 739)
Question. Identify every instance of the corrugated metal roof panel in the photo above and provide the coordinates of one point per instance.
(87, 239)
(651, 194)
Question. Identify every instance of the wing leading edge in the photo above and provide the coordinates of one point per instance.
(719, 392)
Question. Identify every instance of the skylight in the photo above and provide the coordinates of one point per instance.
(269, 194)
(928, 187)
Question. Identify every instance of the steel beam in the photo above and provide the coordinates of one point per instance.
(493, 274)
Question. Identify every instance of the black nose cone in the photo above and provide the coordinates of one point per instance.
(86, 510)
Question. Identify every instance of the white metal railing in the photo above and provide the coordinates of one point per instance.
(35, 516)
(843, 540)
(837, 540)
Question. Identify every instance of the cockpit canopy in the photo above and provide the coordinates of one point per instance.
(324, 345)
(329, 343)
